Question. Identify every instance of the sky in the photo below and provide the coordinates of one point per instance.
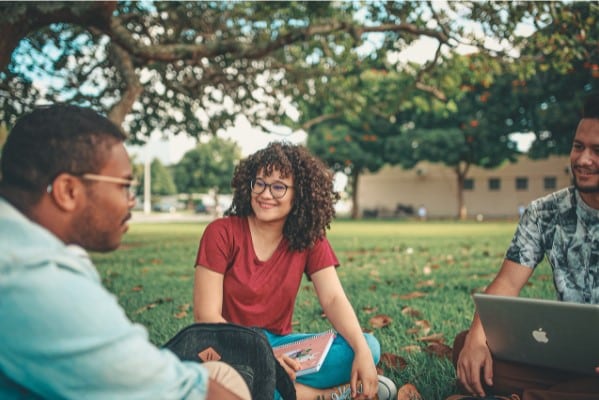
(250, 139)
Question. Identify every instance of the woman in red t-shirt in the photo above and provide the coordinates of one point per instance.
(250, 265)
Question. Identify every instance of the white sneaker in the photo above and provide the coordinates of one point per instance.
(387, 389)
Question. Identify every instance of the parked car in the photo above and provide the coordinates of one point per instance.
(201, 208)
(164, 207)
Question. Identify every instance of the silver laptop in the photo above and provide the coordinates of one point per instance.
(539, 332)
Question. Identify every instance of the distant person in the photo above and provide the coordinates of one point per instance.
(422, 212)
(250, 265)
(66, 188)
(561, 226)
(521, 209)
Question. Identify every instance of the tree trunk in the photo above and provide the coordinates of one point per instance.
(355, 209)
(461, 174)
(123, 62)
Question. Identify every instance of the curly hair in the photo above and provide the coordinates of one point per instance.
(314, 196)
(55, 139)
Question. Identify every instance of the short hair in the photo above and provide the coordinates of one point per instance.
(591, 106)
(314, 195)
(55, 139)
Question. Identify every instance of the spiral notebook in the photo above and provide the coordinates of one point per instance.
(310, 351)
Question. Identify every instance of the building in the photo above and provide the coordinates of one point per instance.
(488, 193)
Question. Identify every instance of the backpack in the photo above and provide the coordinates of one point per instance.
(245, 349)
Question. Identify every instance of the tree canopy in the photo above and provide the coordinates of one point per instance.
(209, 166)
(193, 66)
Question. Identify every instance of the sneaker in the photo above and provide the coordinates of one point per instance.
(342, 393)
(387, 389)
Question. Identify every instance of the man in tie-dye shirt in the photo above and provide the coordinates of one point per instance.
(564, 227)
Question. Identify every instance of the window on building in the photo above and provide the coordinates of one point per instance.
(468, 184)
(550, 183)
(521, 183)
(494, 184)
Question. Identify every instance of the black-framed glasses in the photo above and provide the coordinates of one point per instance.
(277, 189)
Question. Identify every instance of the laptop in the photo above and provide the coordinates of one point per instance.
(545, 333)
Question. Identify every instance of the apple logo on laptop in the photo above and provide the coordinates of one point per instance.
(540, 335)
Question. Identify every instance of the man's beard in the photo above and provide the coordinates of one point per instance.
(585, 189)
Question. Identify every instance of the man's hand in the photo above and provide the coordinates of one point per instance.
(473, 358)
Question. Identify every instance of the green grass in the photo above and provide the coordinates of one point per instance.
(385, 265)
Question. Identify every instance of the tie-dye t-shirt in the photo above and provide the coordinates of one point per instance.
(566, 230)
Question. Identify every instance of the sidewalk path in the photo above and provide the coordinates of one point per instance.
(158, 217)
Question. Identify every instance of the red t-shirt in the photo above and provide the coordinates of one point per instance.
(258, 293)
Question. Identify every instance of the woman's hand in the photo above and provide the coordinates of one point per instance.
(290, 365)
(364, 376)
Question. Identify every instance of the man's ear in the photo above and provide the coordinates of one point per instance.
(67, 191)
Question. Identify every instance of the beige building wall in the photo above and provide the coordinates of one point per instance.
(434, 186)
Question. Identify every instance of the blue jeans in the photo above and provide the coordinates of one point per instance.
(336, 369)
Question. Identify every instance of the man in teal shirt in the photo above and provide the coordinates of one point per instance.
(65, 189)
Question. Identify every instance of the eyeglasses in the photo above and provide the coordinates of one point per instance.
(277, 189)
(129, 184)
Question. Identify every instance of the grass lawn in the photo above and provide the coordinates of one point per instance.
(410, 283)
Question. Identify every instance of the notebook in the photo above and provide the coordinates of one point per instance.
(546, 333)
(310, 351)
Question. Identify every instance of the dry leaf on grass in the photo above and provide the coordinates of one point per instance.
(427, 283)
(412, 331)
(408, 392)
(411, 349)
(149, 306)
(181, 314)
(370, 309)
(439, 349)
(409, 296)
(380, 321)
(436, 337)
(393, 361)
(411, 312)
(137, 288)
(183, 309)
(424, 326)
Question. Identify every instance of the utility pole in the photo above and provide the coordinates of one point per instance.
(147, 186)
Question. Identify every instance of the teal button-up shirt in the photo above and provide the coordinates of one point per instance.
(63, 335)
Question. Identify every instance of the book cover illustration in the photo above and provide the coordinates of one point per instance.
(310, 352)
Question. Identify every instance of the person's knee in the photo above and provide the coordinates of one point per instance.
(374, 345)
(229, 378)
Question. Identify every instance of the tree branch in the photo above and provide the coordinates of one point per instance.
(17, 21)
(133, 88)
(315, 121)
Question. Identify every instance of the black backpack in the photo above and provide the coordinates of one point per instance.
(245, 349)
